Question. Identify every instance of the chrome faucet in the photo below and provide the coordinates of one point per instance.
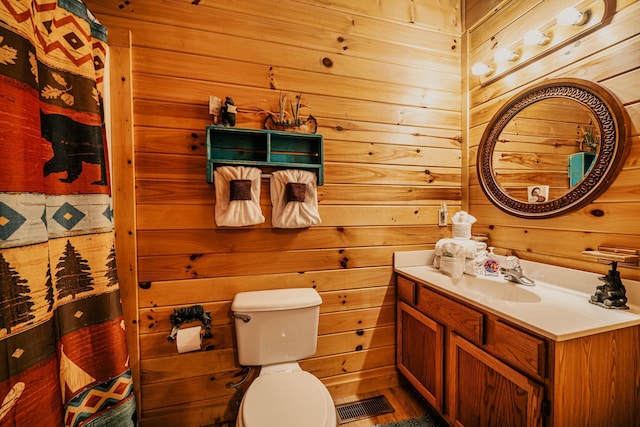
(513, 272)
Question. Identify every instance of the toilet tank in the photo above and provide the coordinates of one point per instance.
(275, 326)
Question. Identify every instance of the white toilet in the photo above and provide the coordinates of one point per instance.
(274, 330)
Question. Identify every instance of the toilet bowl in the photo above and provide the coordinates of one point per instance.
(275, 329)
(287, 399)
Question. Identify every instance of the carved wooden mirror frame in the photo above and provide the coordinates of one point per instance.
(610, 116)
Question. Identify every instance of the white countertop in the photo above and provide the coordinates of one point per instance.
(556, 307)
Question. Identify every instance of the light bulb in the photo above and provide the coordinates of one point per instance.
(571, 16)
(504, 55)
(535, 38)
(480, 69)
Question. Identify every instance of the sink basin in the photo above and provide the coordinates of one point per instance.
(505, 291)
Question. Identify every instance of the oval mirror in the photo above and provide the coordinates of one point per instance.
(552, 149)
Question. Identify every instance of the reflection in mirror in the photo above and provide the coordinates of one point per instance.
(552, 149)
(548, 148)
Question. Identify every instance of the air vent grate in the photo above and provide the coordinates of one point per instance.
(363, 409)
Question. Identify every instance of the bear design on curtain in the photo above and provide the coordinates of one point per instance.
(63, 355)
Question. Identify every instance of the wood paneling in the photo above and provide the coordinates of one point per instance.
(122, 155)
(389, 107)
(575, 357)
(383, 81)
(609, 56)
(199, 241)
(476, 10)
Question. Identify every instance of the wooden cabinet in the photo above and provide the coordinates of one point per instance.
(487, 392)
(475, 369)
(420, 351)
(478, 369)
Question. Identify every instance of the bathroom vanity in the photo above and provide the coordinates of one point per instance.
(484, 351)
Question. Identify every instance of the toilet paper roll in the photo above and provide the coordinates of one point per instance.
(189, 339)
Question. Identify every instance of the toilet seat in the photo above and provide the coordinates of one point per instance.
(291, 399)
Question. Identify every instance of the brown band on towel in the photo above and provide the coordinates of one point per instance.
(295, 191)
(240, 189)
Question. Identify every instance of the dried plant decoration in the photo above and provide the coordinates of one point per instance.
(289, 120)
(589, 140)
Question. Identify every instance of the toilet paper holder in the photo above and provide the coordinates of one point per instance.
(187, 315)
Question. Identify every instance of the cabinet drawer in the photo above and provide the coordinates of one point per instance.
(518, 348)
(460, 318)
(407, 290)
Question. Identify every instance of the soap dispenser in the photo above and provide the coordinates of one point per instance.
(612, 294)
(491, 264)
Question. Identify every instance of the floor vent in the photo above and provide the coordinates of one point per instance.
(363, 409)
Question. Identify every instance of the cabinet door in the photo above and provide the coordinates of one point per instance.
(485, 392)
(420, 353)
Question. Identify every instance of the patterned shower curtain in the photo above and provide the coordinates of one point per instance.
(63, 356)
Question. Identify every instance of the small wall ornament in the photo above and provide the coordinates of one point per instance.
(291, 121)
(215, 109)
(229, 111)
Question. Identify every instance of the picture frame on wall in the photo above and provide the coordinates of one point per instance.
(538, 193)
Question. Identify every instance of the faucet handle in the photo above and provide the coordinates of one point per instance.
(513, 262)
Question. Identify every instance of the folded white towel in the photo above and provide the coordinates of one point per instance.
(462, 217)
(473, 252)
(472, 266)
(461, 225)
(470, 248)
(294, 198)
(242, 184)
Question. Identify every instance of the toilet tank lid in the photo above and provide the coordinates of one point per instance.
(276, 299)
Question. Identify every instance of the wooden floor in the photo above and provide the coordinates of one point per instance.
(406, 402)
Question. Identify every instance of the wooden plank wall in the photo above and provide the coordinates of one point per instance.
(609, 56)
(383, 80)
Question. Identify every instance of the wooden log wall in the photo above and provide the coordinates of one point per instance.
(610, 56)
(383, 79)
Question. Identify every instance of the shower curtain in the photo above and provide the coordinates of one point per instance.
(63, 356)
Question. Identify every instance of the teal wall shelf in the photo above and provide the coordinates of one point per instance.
(579, 165)
(232, 146)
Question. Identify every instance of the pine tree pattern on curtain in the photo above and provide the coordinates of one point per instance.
(63, 356)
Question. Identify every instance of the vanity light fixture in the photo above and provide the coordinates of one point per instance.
(572, 16)
(551, 32)
(506, 55)
(536, 38)
(481, 69)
